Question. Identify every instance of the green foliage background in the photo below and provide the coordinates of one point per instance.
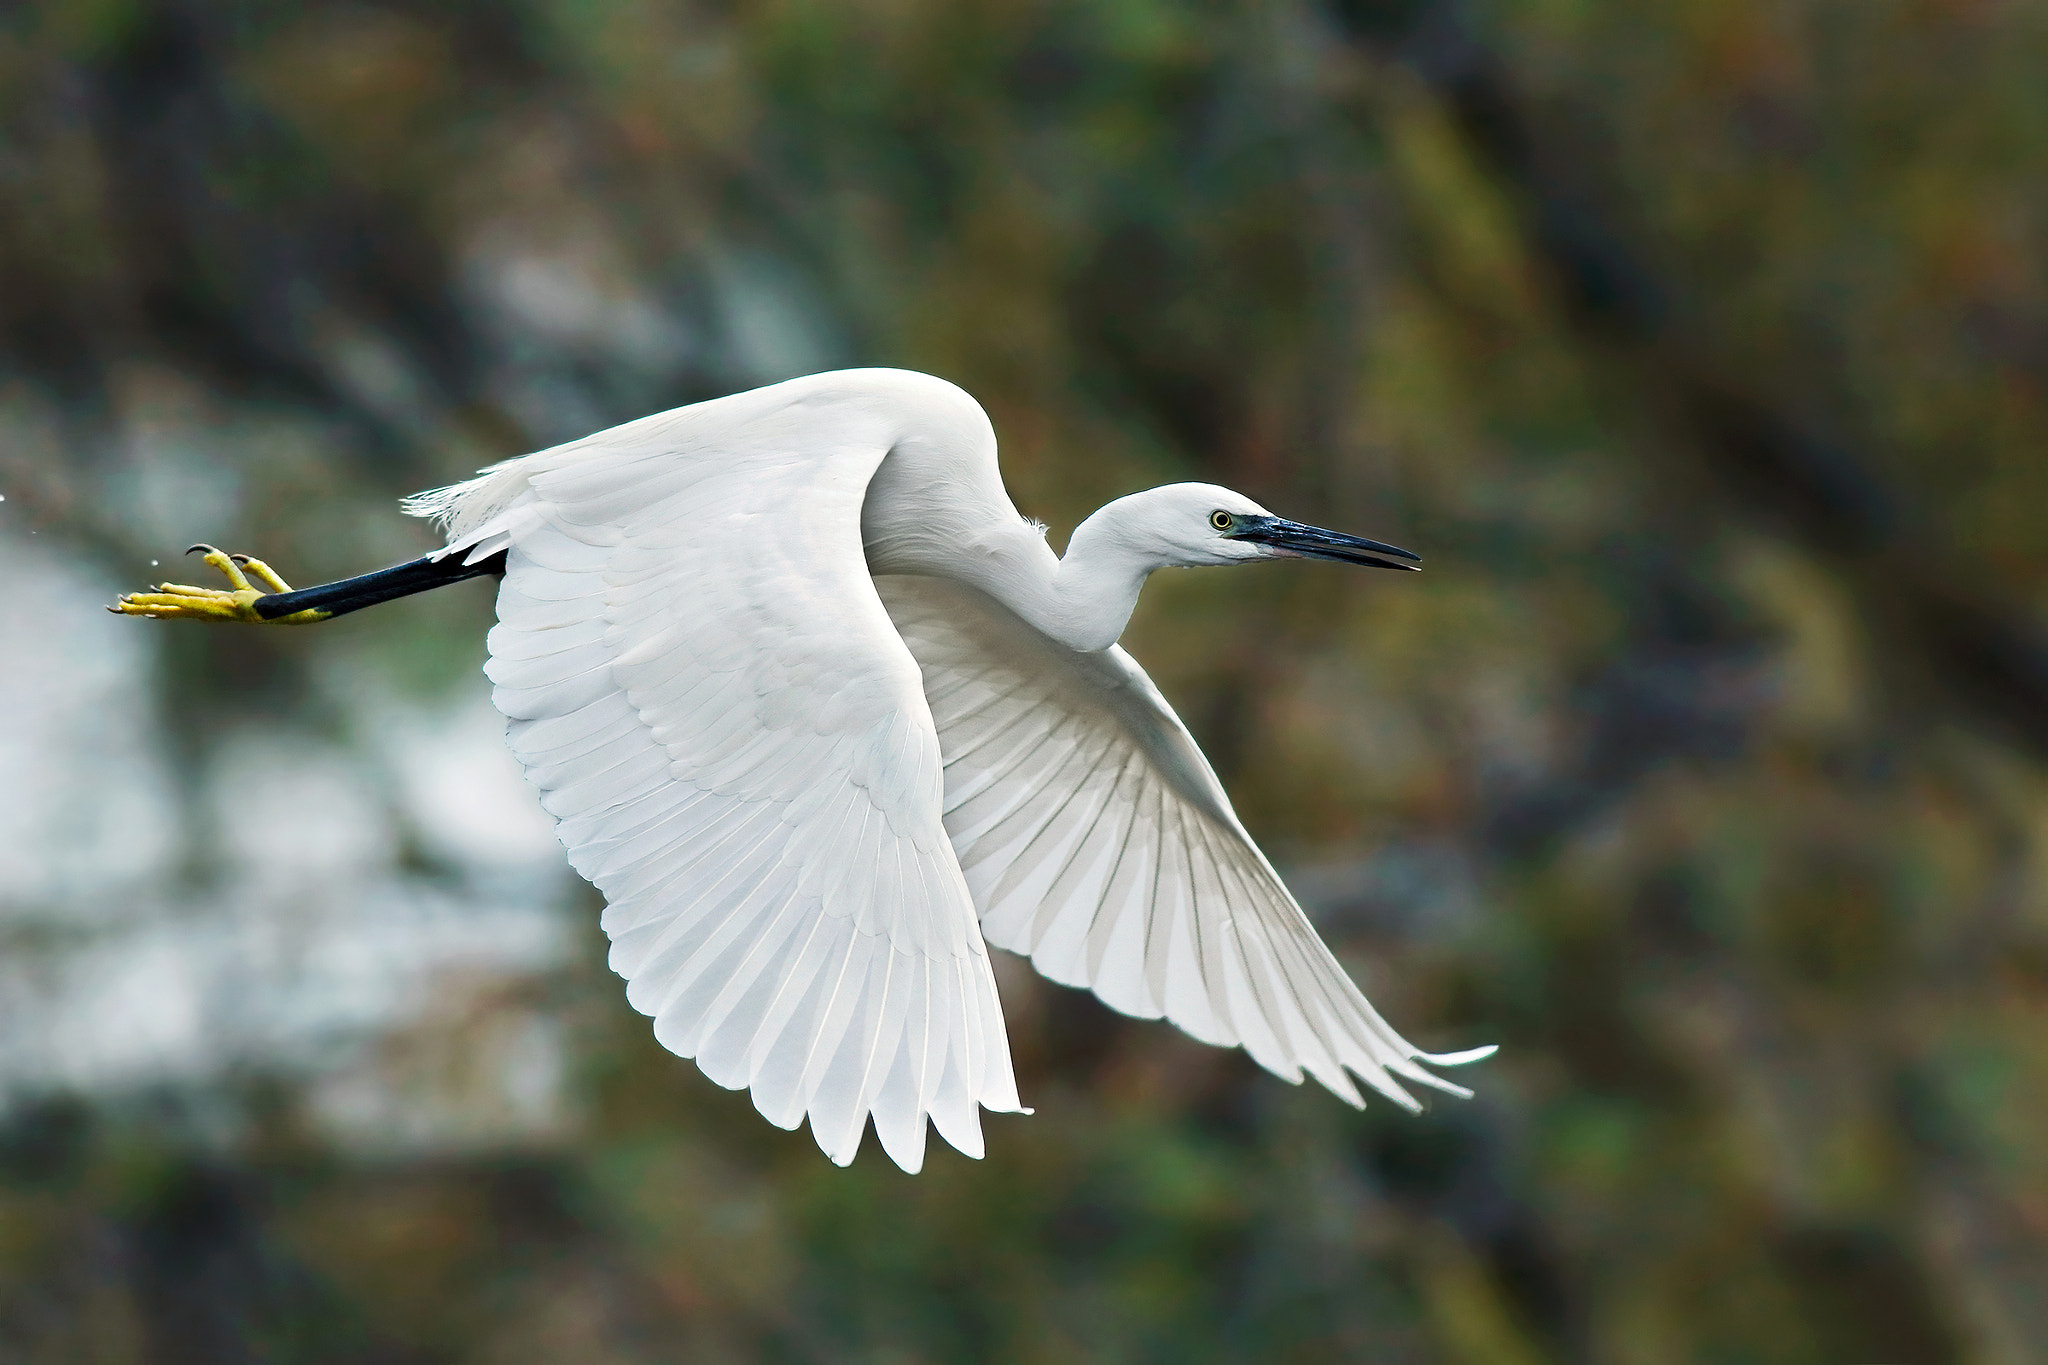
(1699, 346)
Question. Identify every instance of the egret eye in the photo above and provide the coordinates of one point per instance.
(1222, 521)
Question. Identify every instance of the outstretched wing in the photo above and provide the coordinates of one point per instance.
(1097, 840)
(734, 740)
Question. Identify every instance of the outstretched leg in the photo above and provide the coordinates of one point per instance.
(277, 603)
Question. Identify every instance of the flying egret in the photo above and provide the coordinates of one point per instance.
(822, 715)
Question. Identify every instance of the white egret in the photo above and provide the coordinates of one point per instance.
(822, 715)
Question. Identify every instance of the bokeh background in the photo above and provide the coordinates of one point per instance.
(1699, 345)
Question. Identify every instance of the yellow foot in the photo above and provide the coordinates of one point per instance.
(237, 602)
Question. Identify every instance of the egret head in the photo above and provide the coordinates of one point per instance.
(1188, 524)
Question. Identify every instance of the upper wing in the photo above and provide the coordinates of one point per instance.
(733, 738)
(1096, 839)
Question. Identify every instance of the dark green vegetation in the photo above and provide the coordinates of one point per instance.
(1699, 346)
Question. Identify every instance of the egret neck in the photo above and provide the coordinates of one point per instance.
(1095, 585)
(1082, 600)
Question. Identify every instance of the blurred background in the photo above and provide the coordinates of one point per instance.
(1700, 346)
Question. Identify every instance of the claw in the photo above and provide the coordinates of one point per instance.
(237, 602)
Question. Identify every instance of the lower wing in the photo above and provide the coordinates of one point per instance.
(1097, 841)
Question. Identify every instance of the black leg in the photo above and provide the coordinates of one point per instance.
(367, 590)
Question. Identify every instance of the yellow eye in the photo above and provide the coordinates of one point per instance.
(1222, 521)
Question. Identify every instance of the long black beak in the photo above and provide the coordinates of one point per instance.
(1312, 542)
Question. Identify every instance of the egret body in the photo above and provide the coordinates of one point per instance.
(823, 716)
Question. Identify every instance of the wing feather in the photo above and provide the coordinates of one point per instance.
(735, 744)
(1095, 839)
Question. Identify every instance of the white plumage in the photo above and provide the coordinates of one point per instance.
(821, 714)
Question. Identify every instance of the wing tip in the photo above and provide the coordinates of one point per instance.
(1407, 1068)
(908, 1152)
